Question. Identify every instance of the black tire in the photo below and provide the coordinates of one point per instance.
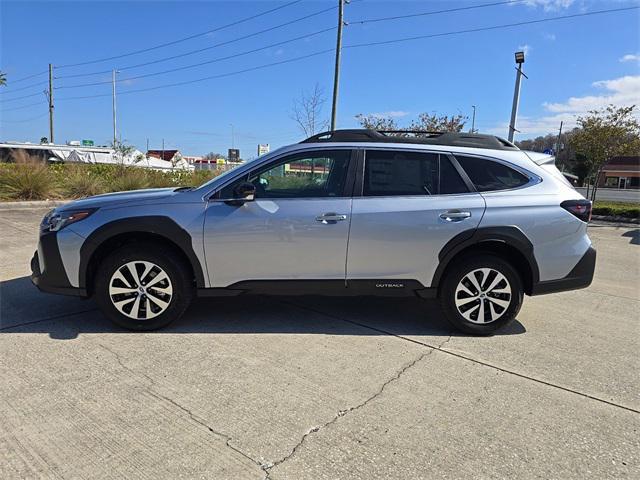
(178, 273)
(504, 315)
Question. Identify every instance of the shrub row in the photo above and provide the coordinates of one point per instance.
(616, 209)
(38, 181)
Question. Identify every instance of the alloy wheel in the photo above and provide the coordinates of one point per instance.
(483, 295)
(140, 290)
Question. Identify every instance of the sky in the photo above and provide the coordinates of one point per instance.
(573, 65)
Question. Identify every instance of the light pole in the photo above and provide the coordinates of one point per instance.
(232, 137)
(516, 94)
(473, 120)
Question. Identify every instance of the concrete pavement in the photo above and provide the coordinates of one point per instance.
(314, 387)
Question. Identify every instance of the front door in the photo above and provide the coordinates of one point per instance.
(296, 228)
(411, 205)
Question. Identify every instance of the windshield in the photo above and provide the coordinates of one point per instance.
(227, 173)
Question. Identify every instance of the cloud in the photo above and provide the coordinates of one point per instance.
(550, 36)
(630, 58)
(550, 5)
(619, 91)
(623, 91)
(527, 49)
(390, 114)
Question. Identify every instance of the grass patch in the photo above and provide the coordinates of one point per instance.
(616, 209)
(30, 179)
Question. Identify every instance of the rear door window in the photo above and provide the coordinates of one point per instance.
(403, 173)
(488, 175)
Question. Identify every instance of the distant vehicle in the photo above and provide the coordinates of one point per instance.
(467, 218)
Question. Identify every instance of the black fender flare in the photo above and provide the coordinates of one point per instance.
(154, 224)
(509, 235)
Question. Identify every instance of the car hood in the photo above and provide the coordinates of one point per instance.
(119, 198)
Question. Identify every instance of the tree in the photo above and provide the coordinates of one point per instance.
(604, 134)
(214, 156)
(3, 79)
(44, 140)
(307, 111)
(426, 122)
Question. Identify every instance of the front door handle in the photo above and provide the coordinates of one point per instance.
(454, 215)
(328, 218)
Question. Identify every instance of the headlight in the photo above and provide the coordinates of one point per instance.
(54, 221)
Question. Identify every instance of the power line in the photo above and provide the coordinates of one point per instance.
(7, 100)
(457, 32)
(436, 12)
(210, 47)
(24, 88)
(28, 77)
(20, 107)
(174, 42)
(202, 79)
(199, 64)
(494, 27)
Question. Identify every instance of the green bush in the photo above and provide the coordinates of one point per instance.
(27, 181)
(78, 182)
(616, 209)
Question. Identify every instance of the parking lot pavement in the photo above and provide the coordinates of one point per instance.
(313, 387)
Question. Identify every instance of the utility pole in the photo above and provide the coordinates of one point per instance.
(516, 95)
(162, 149)
(336, 75)
(558, 144)
(50, 96)
(473, 121)
(115, 129)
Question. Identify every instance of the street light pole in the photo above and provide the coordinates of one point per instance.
(516, 95)
(336, 74)
(473, 120)
(115, 130)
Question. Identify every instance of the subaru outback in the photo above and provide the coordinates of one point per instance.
(468, 219)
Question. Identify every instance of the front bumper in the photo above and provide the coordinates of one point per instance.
(54, 278)
(579, 277)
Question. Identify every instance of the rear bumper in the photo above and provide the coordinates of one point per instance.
(54, 278)
(579, 277)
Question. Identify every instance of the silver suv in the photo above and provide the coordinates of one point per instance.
(468, 219)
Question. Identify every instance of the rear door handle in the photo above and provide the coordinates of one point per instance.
(328, 218)
(454, 215)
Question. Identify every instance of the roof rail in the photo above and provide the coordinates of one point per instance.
(458, 139)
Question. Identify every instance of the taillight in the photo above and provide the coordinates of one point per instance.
(579, 208)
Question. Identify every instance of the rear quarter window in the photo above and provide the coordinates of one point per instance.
(488, 175)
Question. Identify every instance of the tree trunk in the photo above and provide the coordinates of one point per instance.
(595, 184)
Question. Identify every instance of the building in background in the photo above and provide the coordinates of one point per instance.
(621, 172)
(191, 159)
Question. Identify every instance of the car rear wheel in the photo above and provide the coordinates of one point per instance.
(481, 294)
(143, 287)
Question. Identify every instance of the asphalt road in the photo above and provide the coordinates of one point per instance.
(614, 194)
(321, 388)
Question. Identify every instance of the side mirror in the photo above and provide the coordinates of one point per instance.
(245, 192)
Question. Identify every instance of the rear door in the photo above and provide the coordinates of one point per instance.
(409, 205)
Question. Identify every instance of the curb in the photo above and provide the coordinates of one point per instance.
(32, 204)
(615, 219)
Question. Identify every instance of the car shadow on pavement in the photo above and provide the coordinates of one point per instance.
(634, 235)
(24, 309)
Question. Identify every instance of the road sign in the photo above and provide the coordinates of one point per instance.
(263, 148)
(548, 151)
(87, 143)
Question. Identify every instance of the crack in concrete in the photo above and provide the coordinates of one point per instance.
(195, 418)
(348, 410)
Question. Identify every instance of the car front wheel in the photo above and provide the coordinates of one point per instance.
(481, 294)
(143, 287)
